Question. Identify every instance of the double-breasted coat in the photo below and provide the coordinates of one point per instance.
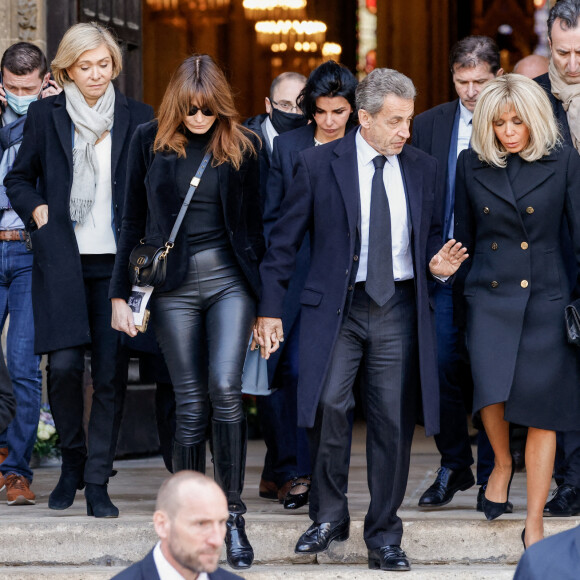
(153, 202)
(42, 174)
(515, 284)
(324, 199)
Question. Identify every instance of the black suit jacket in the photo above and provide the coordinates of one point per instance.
(152, 204)
(432, 133)
(146, 570)
(324, 198)
(42, 174)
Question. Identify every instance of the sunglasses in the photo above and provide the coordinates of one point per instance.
(205, 112)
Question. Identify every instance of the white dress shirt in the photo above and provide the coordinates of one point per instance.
(271, 133)
(400, 239)
(465, 128)
(165, 570)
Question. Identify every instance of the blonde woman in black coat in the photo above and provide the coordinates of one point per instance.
(68, 187)
(516, 188)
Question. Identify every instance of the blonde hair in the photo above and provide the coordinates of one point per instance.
(199, 79)
(78, 39)
(531, 105)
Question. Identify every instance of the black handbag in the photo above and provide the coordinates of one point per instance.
(572, 317)
(148, 262)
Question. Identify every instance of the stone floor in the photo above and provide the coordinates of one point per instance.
(451, 542)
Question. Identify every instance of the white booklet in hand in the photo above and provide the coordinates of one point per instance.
(138, 301)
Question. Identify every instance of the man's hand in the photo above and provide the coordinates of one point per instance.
(448, 259)
(122, 318)
(268, 334)
(40, 215)
(51, 89)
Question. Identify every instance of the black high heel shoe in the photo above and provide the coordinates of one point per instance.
(524, 538)
(99, 503)
(293, 501)
(493, 509)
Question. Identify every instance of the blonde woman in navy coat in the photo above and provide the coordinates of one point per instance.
(516, 188)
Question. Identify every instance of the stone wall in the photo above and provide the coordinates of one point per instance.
(22, 20)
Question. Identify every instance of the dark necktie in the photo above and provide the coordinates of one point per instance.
(380, 284)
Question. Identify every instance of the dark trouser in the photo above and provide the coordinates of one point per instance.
(453, 439)
(386, 338)
(203, 328)
(568, 458)
(109, 373)
(287, 453)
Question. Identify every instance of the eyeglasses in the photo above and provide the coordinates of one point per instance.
(287, 106)
(205, 112)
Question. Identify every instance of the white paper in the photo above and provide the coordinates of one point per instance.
(138, 301)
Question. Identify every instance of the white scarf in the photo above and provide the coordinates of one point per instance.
(570, 97)
(90, 123)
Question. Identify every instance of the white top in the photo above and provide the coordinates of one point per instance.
(165, 570)
(400, 240)
(96, 235)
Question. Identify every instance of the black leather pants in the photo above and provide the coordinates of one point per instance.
(203, 328)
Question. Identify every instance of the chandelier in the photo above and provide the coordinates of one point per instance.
(281, 35)
(206, 6)
(274, 9)
(331, 50)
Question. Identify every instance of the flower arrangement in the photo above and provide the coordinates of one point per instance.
(46, 436)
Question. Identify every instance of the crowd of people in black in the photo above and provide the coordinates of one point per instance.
(315, 233)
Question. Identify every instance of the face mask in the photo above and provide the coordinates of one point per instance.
(286, 121)
(20, 104)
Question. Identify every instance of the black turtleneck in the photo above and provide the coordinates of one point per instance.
(204, 221)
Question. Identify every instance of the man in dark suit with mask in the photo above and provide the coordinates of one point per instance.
(282, 115)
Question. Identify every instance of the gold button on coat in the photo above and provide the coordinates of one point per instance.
(494, 246)
(486, 210)
(524, 283)
(530, 210)
(494, 284)
(524, 245)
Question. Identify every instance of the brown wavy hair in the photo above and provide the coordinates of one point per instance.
(199, 80)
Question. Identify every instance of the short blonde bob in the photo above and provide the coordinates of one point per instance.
(78, 39)
(531, 105)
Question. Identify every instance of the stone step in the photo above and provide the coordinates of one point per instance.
(81, 541)
(287, 572)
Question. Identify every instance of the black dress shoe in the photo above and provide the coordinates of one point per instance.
(63, 495)
(494, 509)
(565, 503)
(318, 536)
(389, 558)
(447, 483)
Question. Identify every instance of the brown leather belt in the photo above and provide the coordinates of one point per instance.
(12, 235)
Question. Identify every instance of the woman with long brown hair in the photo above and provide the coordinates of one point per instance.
(204, 311)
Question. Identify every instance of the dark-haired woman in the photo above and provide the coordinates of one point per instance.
(68, 187)
(204, 311)
(328, 102)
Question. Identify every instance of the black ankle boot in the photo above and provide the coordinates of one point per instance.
(229, 457)
(189, 457)
(239, 552)
(71, 479)
(99, 503)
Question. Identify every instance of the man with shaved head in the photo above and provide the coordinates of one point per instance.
(190, 520)
(532, 66)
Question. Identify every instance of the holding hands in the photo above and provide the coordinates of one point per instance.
(268, 334)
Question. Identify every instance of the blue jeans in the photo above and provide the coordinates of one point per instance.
(23, 364)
